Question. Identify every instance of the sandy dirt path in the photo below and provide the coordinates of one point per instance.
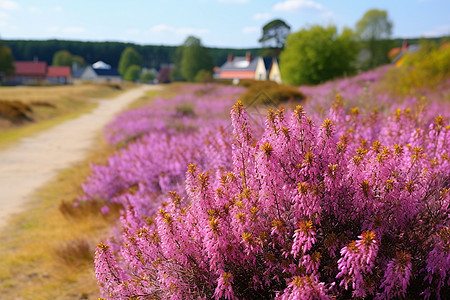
(36, 160)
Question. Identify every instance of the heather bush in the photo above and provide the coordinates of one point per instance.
(269, 92)
(157, 142)
(355, 207)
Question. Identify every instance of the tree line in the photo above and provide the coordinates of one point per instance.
(152, 55)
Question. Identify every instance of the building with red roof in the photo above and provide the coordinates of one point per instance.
(59, 74)
(31, 72)
(27, 72)
(247, 67)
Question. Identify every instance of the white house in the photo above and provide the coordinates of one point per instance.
(247, 67)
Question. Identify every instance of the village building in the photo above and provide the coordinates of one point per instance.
(98, 72)
(406, 48)
(247, 67)
(27, 72)
(37, 72)
(59, 75)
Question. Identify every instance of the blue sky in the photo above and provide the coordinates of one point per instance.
(220, 23)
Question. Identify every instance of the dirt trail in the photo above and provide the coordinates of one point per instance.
(36, 160)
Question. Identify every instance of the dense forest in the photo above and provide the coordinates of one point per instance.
(109, 52)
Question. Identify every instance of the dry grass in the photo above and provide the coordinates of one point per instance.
(47, 251)
(25, 110)
(47, 254)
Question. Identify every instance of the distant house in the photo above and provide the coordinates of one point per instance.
(35, 72)
(59, 75)
(406, 48)
(247, 67)
(108, 75)
(98, 72)
(27, 72)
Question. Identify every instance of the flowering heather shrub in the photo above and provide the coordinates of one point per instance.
(351, 208)
(370, 90)
(162, 139)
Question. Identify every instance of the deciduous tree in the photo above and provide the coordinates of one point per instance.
(148, 77)
(273, 37)
(65, 58)
(275, 33)
(195, 58)
(6, 60)
(375, 29)
(132, 73)
(317, 54)
(128, 58)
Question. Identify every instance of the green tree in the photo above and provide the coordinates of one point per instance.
(175, 72)
(132, 73)
(275, 33)
(203, 76)
(128, 58)
(148, 77)
(317, 54)
(62, 58)
(65, 58)
(6, 61)
(195, 58)
(374, 30)
(273, 37)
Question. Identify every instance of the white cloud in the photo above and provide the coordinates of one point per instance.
(250, 30)
(291, 5)
(233, 1)
(437, 31)
(163, 28)
(8, 5)
(74, 30)
(262, 16)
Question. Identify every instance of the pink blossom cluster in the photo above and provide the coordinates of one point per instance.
(368, 92)
(269, 223)
(161, 140)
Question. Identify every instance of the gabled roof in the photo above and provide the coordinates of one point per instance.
(78, 72)
(107, 72)
(240, 63)
(30, 68)
(268, 61)
(409, 49)
(58, 71)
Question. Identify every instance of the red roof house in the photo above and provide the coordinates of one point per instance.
(30, 68)
(27, 72)
(59, 74)
(247, 67)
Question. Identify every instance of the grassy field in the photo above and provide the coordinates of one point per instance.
(25, 110)
(47, 252)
